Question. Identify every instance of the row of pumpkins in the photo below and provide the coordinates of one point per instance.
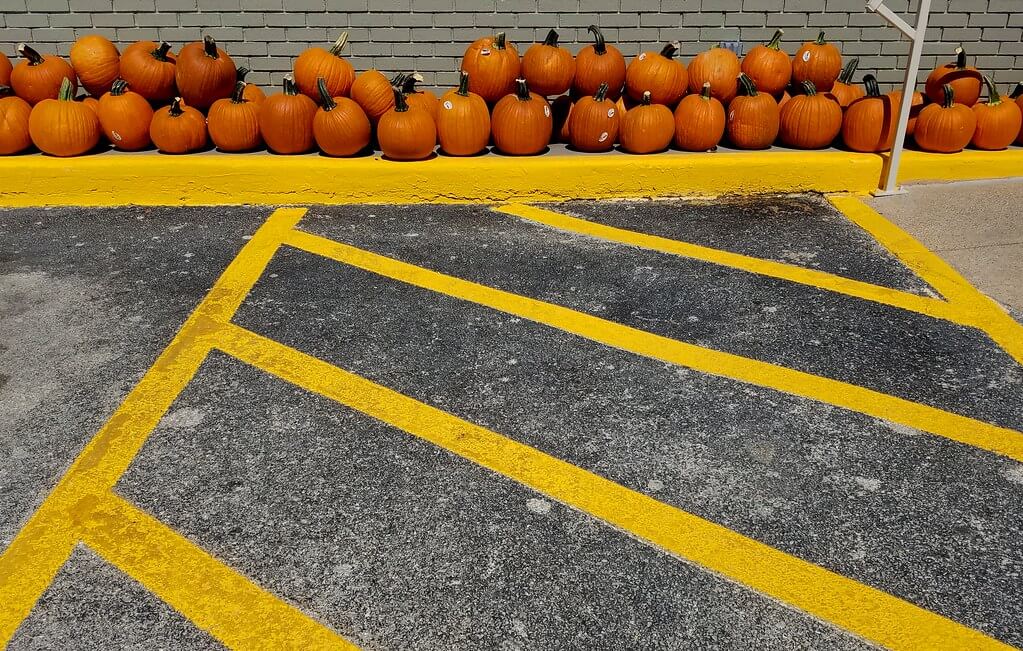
(806, 101)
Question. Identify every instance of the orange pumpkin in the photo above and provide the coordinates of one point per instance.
(463, 121)
(91, 102)
(1017, 95)
(844, 90)
(721, 68)
(286, 120)
(769, 66)
(406, 133)
(699, 121)
(340, 126)
(125, 117)
(234, 122)
(998, 122)
(594, 122)
(818, 62)
(753, 118)
(97, 63)
(178, 129)
(62, 126)
(946, 127)
(253, 93)
(548, 68)
(598, 64)
(660, 73)
(916, 106)
(869, 122)
(423, 99)
(647, 127)
(204, 73)
(14, 115)
(316, 63)
(493, 65)
(40, 77)
(521, 122)
(965, 81)
(561, 112)
(149, 70)
(373, 93)
(5, 70)
(810, 120)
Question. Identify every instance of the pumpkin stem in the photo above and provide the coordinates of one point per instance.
(820, 39)
(66, 93)
(339, 44)
(326, 100)
(552, 38)
(522, 90)
(175, 108)
(669, 49)
(241, 72)
(499, 41)
(599, 46)
(408, 84)
(809, 88)
(993, 98)
(210, 47)
(34, 58)
(746, 85)
(775, 42)
(160, 53)
(849, 70)
(398, 79)
(870, 81)
(118, 87)
(1017, 92)
(601, 92)
(239, 89)
(463, 84)
(950, 96)
(289, 85)
(646, 98)
(705, 93)
(960, 58)
(400, 105)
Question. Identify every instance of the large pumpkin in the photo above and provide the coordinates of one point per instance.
(493, 65)
(234, 122)
(946, 127)
(521, 122)
(818, 62)
(38, 77)
(316, 63)
(594, 122)
(5, 70)
(844, 90)
(415, 98)
(598, 64)
(286, 120)
(646, 128)
(204, 73)
(870, 121)
(699, 121)
(253, 93)
(753, 117)
(811, 120)
(372, 91)
(340, 126)
(965, 81)
(125, 117)
(62, 126)
(721, 68)
(406, 133)
(998, 122)
(178, 129)
(463, 121)
(97, 63)
(14, 115)
(149, 70)
(547, 67)
(916, 105)
(769, 66)
(658, 73)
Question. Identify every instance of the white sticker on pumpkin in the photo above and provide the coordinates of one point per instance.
(547, 111)
(602, 137)
(484, 52)
(806, 56)
(642, 56)
(731, 116)
(116, 136)
(448, 105)
(610, 113)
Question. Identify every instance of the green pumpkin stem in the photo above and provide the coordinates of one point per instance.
(775, 42)
(809, 88)
(34, 58)
(646, 98)
(463, 84)
(339, 44)
(241, 72)
(289, 85)
(210, 47)
(1017, 92)
(400, 105)
(160, 53)
(993, 98)
(326, 101)
(960, 58)
(705, 92)
(175, 108)
(849, 70)
(746, 85)
(950, 96)
(239, 90)
(870, 81)
(599, 46)
(522, 90)
(601, 92)
(669, 49)
(820, 39)
(552, 38)
(119, 87)
(499, 41)
(66, 94)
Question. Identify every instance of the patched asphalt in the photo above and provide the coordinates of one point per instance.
(397, 544)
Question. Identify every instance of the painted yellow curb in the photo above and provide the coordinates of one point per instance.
(967, 165)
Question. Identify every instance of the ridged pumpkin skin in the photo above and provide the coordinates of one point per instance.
(720, 67)
(769, 66)
(753, 118)
(97, 63)
(406, 133)
(870, 121)
(316, 63)
(965, 81)
(204, 73)
(595, 122)
(62, 126)
(373, 92)
(125, 117)
(521, 122)
(148, 67)
(234, 123)
(598, 64)
(818, 62)
(658, 73)
(5, 70)
(38, 77)
(945, 128)
(811, 120)
(423, 99)
(699, 121)
(917, 105)
(253, 93)
(845, 91)
(647, 128)
(178, 129)
(14, 135)
(340, 126)
(493, 65)
(998, 121)
(463, 121)
(286, 120)
(548, 68)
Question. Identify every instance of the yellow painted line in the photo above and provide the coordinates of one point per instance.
(792, 273)
(965, 166)
(853, 606)
(849, 396)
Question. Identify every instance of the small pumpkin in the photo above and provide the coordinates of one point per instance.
(178, 129)
(598, 64)
(234, 122)
(660, 73)
(204, 73)
(1017, 95)
(253, 93)
(811, 120)
(753, 117)
(561, 112)
(647, 127)
(38, 77)
(521, 122)
(14, 115)
(149, 70)
(406, 133)
(594, 122)
(463, 121)
(62, 126)
(125, 117)
(998, 122)
(965, 81)
(699, 121)
(870, 121)
(316, 63)
(97, 63)
(769, 66)
(423, 99)
(721, 68)
(818, 62)
(340, 126)
(373, 92)
(548, 68)
(916, 105)
(946, 127)
(493, 65)
(5, 70)
(844, 90)
(286, 120)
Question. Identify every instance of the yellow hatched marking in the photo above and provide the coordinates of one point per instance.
(853, 606)
(956, 427)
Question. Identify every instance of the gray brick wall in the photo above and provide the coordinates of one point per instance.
(430, 35)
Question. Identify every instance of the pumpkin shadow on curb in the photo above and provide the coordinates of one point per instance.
(484, 152)
(367, 152)
(432, 156)
(497, 152)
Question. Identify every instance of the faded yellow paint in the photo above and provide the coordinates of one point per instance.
(967, 165)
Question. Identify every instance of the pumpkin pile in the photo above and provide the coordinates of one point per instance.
(148, 96)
